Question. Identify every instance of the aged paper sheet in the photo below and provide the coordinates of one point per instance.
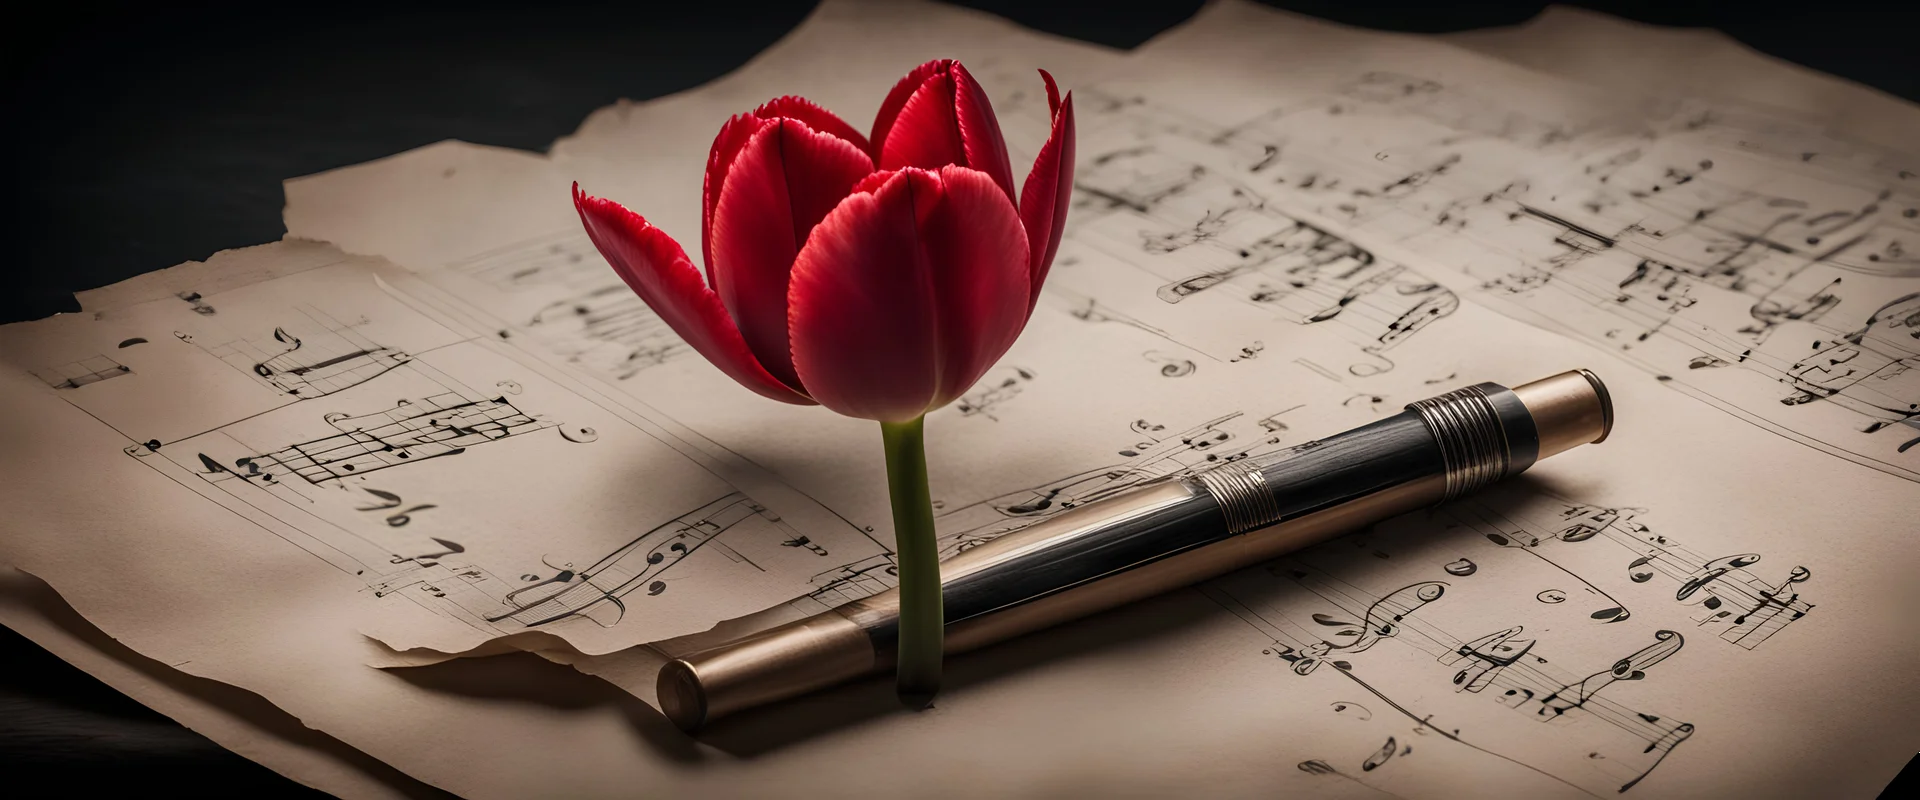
(1194, 315)
(1626, 57)
(273, 618)
(1171, 248)
(391, 446)
(233, 718)
(1701, 237)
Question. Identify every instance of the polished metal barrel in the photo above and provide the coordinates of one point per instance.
(1163, 535)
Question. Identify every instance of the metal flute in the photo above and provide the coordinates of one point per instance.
(1161, 536)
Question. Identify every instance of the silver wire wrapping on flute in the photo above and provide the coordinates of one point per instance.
(1241, 490)
(1473, 445)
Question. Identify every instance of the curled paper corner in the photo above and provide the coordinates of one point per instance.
(231, 716)
(631, 669)
(500, 193)
(20, 587)
(226, 269)
(724, 631)
(399, 648)
(382, 655)
(634, 669)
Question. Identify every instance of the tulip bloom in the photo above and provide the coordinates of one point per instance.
(879, 276)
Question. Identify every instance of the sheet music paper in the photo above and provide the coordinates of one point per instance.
(394, 447)
(1754, 263)
(516, 264)
(232, 718)
(1173, 248)
(182, 578)
(1634, 58)
(1599, 627)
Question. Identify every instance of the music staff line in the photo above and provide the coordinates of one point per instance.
(1435, 186)
(1219, 231)
(608, 396)
(1523, 680)
(1758, 609)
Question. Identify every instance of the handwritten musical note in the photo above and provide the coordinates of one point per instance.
(1171, 366)
(1759, 609)
(1350, 709)
(326, 356)
(803, 541)
(1380, 757)
(409, 433)
(1381, 621)
(1528, 542)
(200, 306)
(447, 548)
(607, 328)
(387, 500)
(864, 578)
(1506, 666)
(999, 387)
(642, 563)
(1489, 654)
(390, 500)
(81, 373)
(1631, 668)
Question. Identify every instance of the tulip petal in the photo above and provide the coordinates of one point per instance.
(925, 134)
(906, 295)
(1048, 192)
(948, 120)
(1053, 92)
(978, 253)
(871, 183)
(817, 118)
(783, 182)
(862, 307)
(658, 270)
(986, 147)
(897, 99)
(726, 147)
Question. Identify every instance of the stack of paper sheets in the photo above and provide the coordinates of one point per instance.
(290, 487)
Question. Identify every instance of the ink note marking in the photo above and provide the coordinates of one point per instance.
(80, 373)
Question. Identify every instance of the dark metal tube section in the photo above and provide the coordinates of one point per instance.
(1163, 535)
(1317, 474)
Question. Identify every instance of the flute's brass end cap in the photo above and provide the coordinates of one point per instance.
(681, 696)
(1606, 405)
(1569, 409)
(765, 667)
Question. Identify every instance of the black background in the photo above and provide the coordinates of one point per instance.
(138, 137)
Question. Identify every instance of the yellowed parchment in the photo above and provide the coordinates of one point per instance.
(1120, 260)
(1233, 689)
(1627, 57)
(234, 718)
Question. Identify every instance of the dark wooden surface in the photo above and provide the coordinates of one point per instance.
(59, 724)
(141, 137)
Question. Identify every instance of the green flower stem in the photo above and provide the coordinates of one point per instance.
(917, 676)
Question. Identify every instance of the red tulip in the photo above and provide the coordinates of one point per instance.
(879, 277)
